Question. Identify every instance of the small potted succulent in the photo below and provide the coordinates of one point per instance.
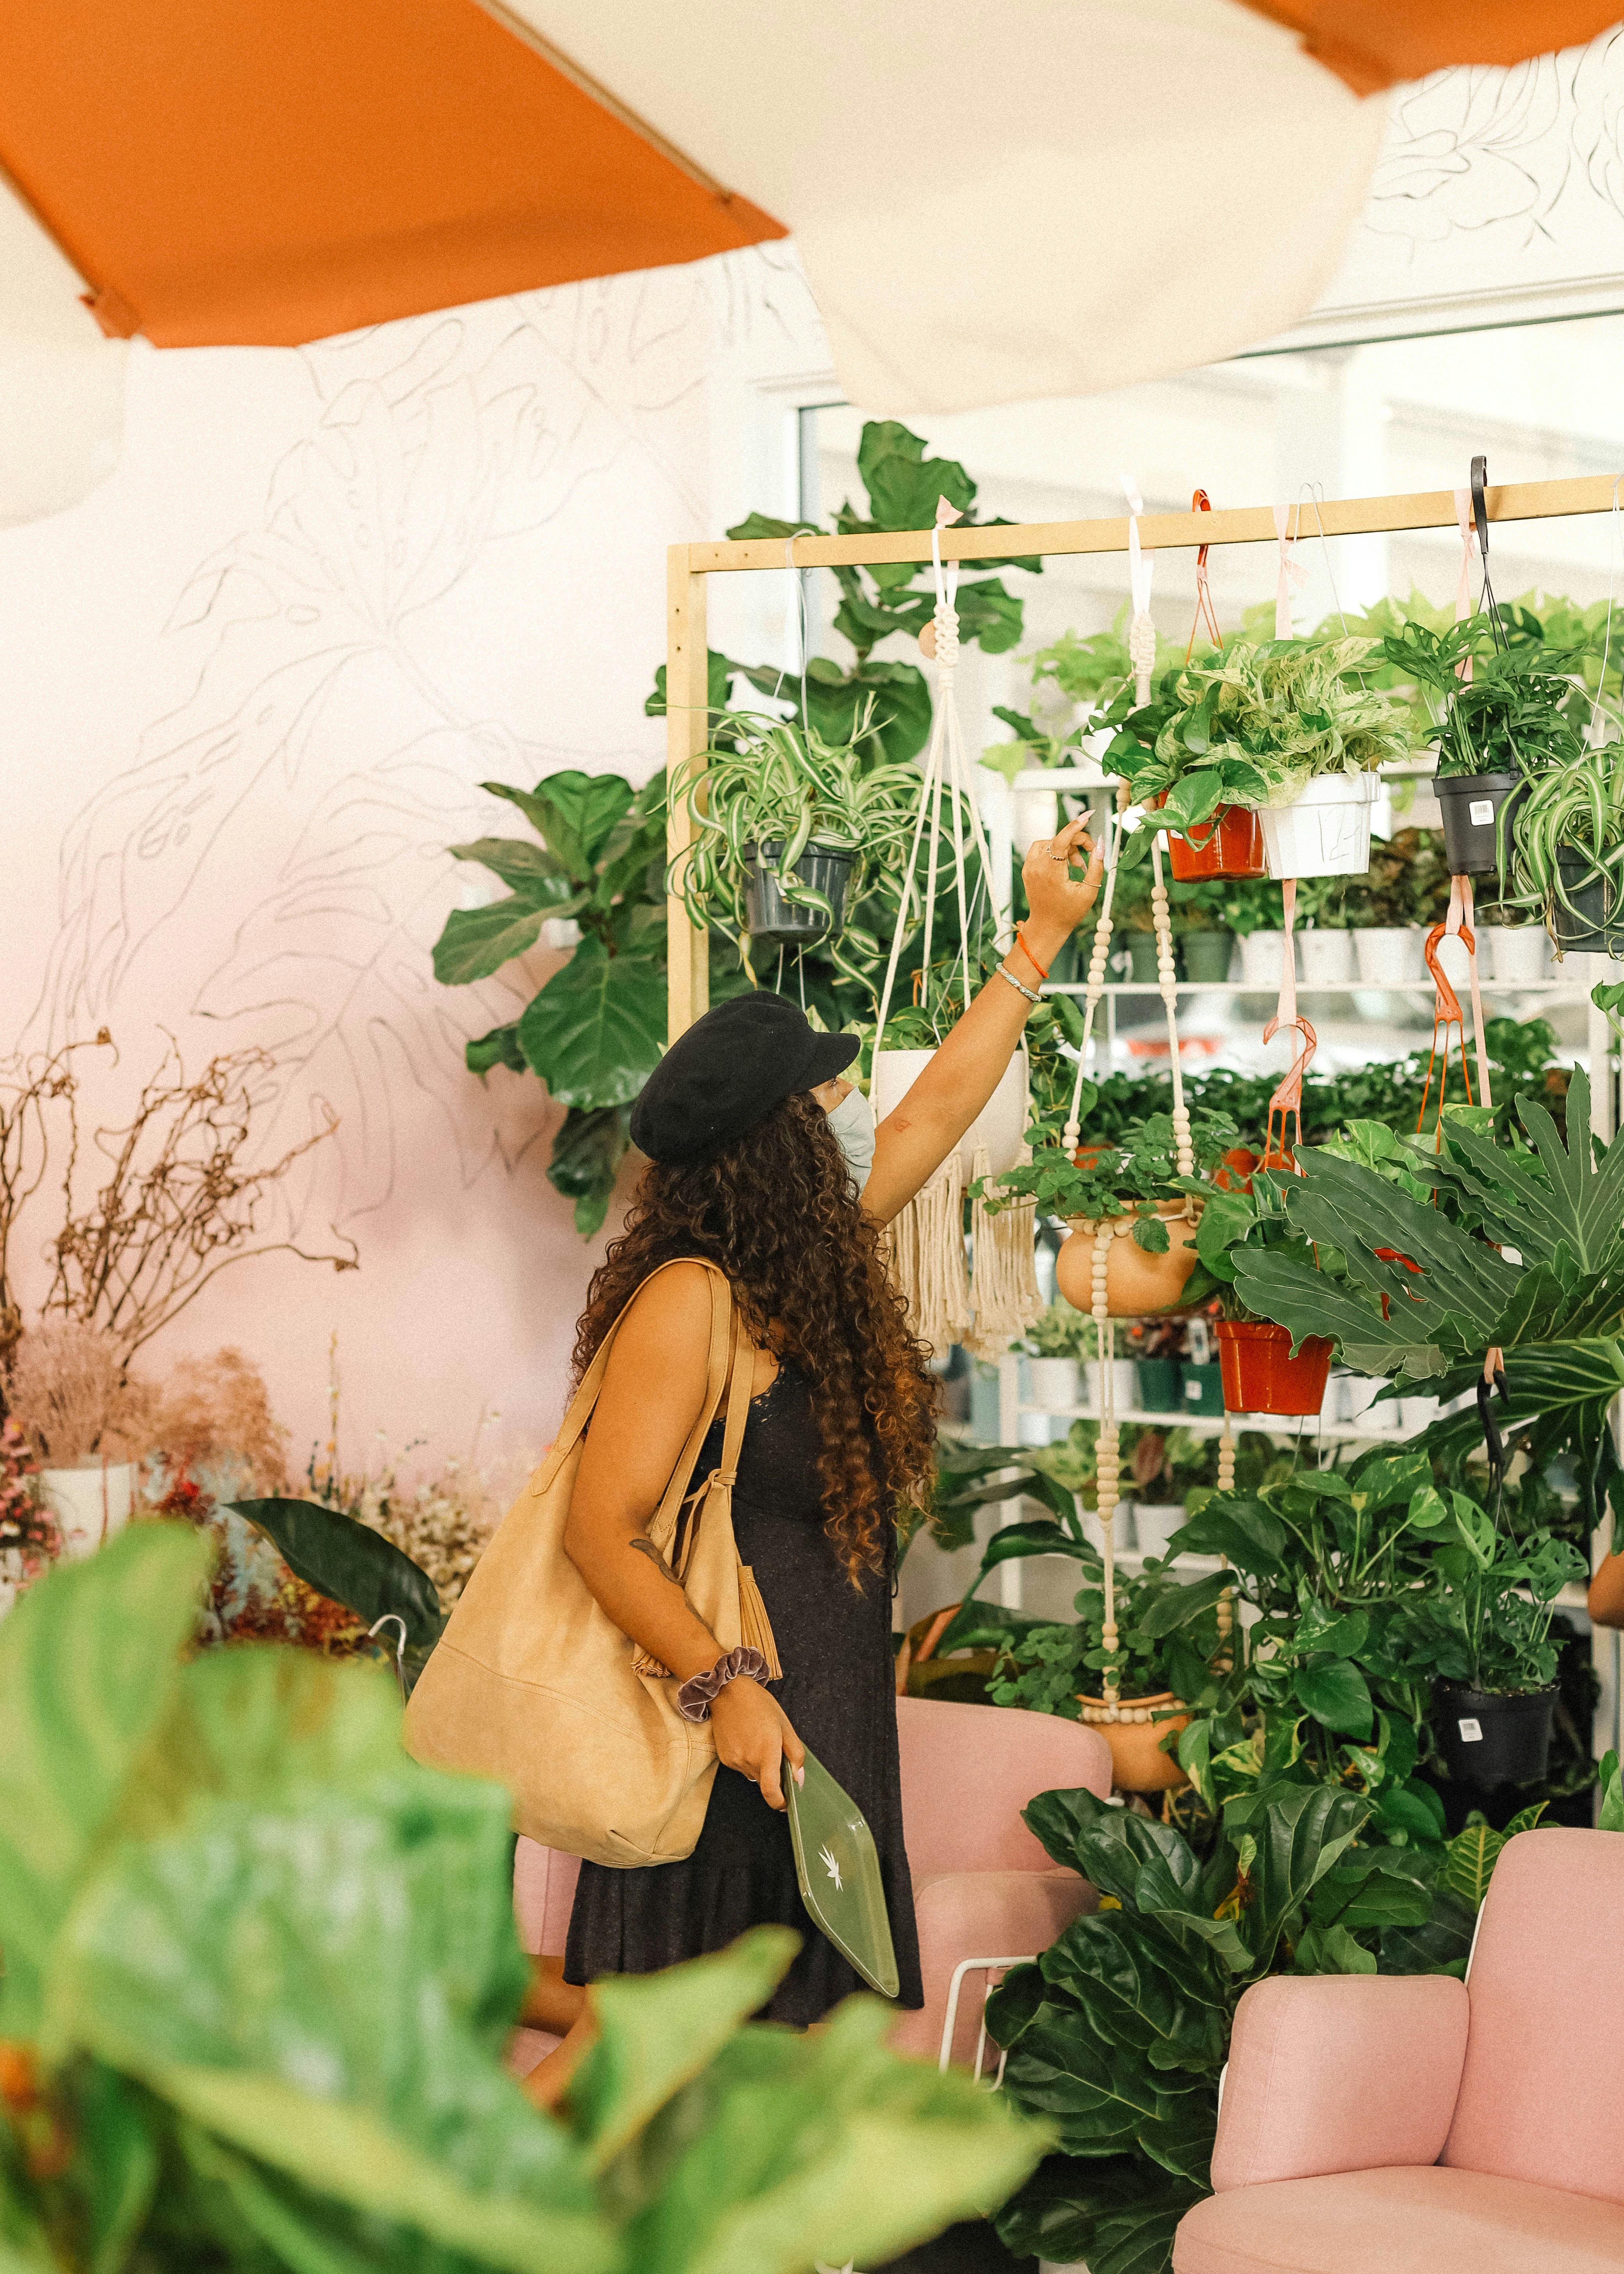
(1496, 730)
(1291, 730)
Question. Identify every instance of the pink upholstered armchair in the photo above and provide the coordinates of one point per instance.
(982, 1886)
(1418, 2125)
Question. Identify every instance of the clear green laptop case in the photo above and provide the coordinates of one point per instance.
(839, 1868)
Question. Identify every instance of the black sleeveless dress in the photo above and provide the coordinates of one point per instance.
(838, 1691)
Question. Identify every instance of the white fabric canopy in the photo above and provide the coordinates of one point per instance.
(61, 385)
(997, 203)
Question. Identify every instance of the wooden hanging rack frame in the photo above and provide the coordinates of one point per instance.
(689, 566)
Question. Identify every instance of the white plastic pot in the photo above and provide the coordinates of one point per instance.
(1124, 1381)
(1388, 955)
(1517, 953)
(1328, 958)
(1037, 814)
(1326, 831)
(89, 1503)
(1154, 1523)
(1262, 958)
(1094, 1531)
(1053, 1383)
(1000, 1125)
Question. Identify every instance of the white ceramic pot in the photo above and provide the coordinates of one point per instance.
(999, 1125)
(1154, 1523)
(90, 1503)
(1053, 1383)
(1328, 958)
(1037, 814)
(1327, 832)
(1517, 953)
(1094, 1531)
(1125, 1384)
(1262, 958)
(1388, 955)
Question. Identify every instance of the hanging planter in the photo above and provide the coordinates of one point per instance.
(1471, 806)
(1326, 831)
(824, 869)
(999, 1126)
(1133, 1728)
(1261, 1376)
(1228, 846)
(1491, 1737)
(1136, 1282)
(1590, 918)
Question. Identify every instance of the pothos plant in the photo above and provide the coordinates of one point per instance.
(595, 1030)
(1254, 726)
(1127, 1174)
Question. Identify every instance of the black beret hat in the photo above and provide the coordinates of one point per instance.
(727, 1072)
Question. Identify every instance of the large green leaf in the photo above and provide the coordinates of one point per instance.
(350, 1563)
(1335, 1692)
(790, 2148)
(527, 870)
(587, 1154)
(654, 2035)
(575, 814)
(500, 1047)
(1557, 1198)
(596, 1031)
(1118, 2214)
(476, 942)
(1119, 1969)
(89, 1664)
(1308, 1302)
(1300, 1832)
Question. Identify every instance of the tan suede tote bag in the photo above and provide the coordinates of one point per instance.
(532, 1684)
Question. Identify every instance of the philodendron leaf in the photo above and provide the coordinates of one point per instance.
(655, 2034)
(350, 1563)
(1307, 1302)
(89, 1661)
(1334, 1690)
(1469, 1859)
(1557, 1197)
(596, 1031)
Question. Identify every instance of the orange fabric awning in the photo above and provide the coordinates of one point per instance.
(1371, 44)
(264, 172)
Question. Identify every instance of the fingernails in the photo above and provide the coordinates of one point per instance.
(801, 1776)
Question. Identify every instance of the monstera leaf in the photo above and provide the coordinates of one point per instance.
(1557, 1201)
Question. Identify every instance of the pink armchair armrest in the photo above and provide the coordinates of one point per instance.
(1339, 2073)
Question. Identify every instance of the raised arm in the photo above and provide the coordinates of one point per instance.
(653, 1392)
(912, 1142)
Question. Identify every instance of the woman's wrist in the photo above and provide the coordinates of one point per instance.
(1046, 940)
(699, 1692)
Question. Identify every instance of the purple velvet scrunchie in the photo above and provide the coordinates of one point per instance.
(694, 1698)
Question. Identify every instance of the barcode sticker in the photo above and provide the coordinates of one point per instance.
(1472, 1732)
(1480, 811)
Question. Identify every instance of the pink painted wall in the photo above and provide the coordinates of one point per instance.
(251, 686)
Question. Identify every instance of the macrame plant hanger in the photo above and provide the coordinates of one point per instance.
(927, 1237)
(1104, 1230)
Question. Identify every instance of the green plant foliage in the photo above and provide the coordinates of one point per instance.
(350, 1563)
(1470, 1856)
(261, 1968)
(596, 1031)
(1513, 715)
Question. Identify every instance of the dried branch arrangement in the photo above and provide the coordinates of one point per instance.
(69, 1392)
(176, 1205)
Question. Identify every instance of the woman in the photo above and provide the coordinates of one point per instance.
(746, 1122)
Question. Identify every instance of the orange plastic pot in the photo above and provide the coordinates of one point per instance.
(1235, 1176)
(1229, 845)
(1136, 1284)
(1137, 1762)
(1260, 1376)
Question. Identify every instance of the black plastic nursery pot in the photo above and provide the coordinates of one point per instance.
(768, 915)
(1488, 1737)
(1595, 922)
(1471, 805)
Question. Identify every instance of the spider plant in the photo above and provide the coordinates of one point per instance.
(779, 782)
(1566, 836)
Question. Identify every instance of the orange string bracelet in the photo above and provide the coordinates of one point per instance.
(1025, 949)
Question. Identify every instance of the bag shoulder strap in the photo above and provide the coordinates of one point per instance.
(580, 1405)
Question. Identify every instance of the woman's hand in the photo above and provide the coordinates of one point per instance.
(1057, 899)
(753, 1736)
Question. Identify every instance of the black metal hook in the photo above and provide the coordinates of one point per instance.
(1480, 516)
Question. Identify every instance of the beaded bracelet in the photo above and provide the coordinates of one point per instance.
(695, 1698)
(1020, 986)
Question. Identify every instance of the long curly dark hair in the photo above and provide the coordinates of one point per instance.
(776, 1212)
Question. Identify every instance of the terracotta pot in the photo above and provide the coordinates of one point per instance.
(1235, 1175)
(1138, 1763)
(1259, 1375)
(1135, 1283)
(1230, 845)
(922, 1674)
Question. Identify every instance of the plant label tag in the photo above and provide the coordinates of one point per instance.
(1481, 812)
(1472, 1732)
